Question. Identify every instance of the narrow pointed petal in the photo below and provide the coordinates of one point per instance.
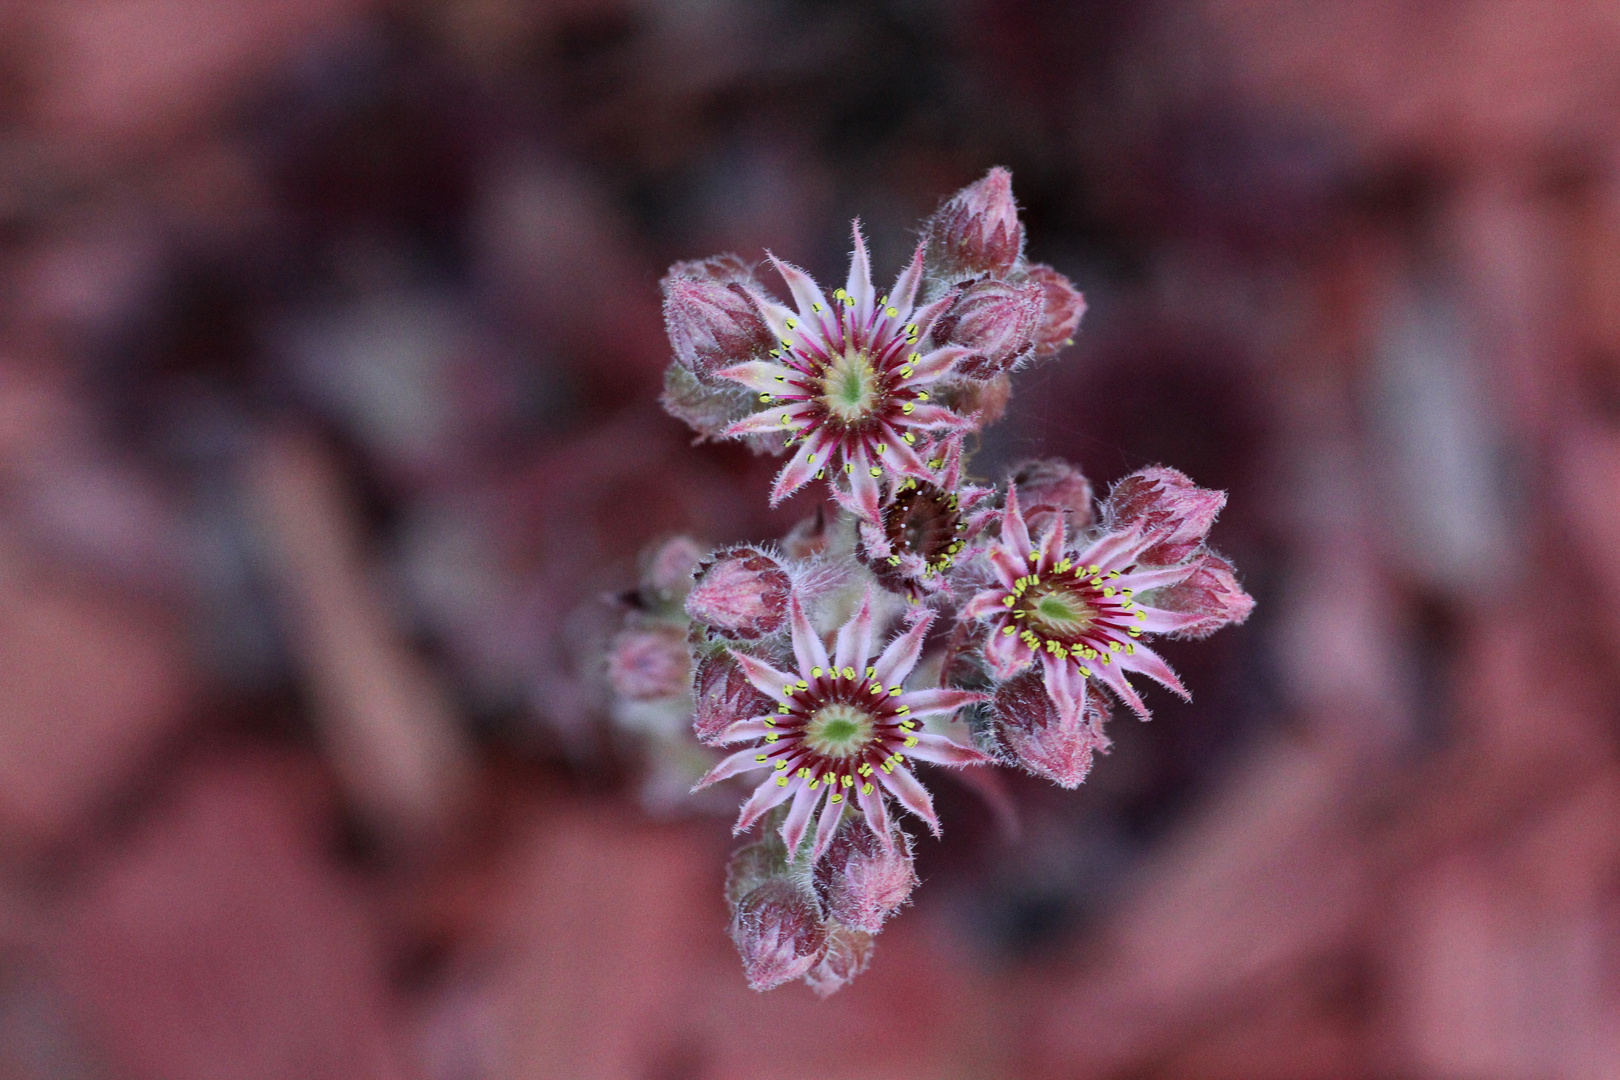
(926, 316)
(766, 679)
(798, 816)
(863, 487)
(935, 365)
(1153, 666)
(902, 458)
(1065, 686)
(810, 456)
(901, 655)
(942, 700)
(1014, 533)
(807, 294)
(1157, 578)
(1008, 567)
(1052, 544)
(942, 751)
(1116, 550)
(831, 814)
(808, 648)
(859, 284)
(759, 375)
(1159, 621)
(904, 294)
(767, 421)
(742, 729)
(776, 316)
(910, 794)
(933, 416)
(741, 761)
(768, 795)
(876, 811)
(1113, 677)
(1006, 654)
(985, 603)
(855, 638)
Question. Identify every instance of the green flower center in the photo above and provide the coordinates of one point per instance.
(850, 386)
(839, 730)
(1059, 613)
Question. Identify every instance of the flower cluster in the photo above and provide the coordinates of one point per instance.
(932, 620)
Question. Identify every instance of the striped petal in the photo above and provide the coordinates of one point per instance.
(942, 751)
(910, 794)
(798, 815)
(854, 643)
(807, 645)
(942, 700)
(767, 796)
(741, 761)
(766, 679)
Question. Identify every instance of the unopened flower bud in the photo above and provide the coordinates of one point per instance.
(1062, 307)
(649, 663)
(712, 320)
(722, 695)
(1166, 504)
(997, 320)
(864, 879)
(1053, 482)
(845, 956)
(976, 231)
(778, 932)
(1042, 740)
(741, 593)
(1211, 591)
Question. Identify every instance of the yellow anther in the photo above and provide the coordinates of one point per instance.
(767, 397)
(1134, 632)
(1140, 614)
(1113, 573)
(781, 781)
(1063, 566)
(815, 673)
(894, 691)
(1114, 645)
(780, 765)
(875, 688)
(887, 767)
(902, 710)
(911, 328)
(811, 459)
(1130, 648)
(772, 737)
(770, 723)
(849, 781)
(1008, 629)
(906, 370)
(891, 312)
(790, 323)
(914, 358)
(814, 784)
(907, 408)
(787, 343)
(760, 757)
(1108, 592)
(836, 797)
(871, 670)
(849, 673)
(849, 469)
(865, 769)
(1085, 671)
(839, 294)
(821, 474)
(882, 447)
(1127, 592)
(875, 471)
(866, 789)
(899, 758)
(1093, 569)
(803, 773)
(922, 395)
(1104, 659)
(802, 685)
(894, 560)
(912, 741)
(910, 438)
(1009, 601)
(1034, 555)
(883, 301)
(815, 307)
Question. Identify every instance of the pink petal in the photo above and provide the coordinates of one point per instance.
(798, 815)
(901, 656)
(1065, 686)
(1143, 580)
(877, 813)
(943, 751)
(988, 602)
(741, 761)
(759, 376)
(742, 729)
(1113, 677)
(1006, 654)
(1153, 666)
(935, 365)
(1014, 533)
(904, 293)
(910, 794)
(831, 814)
(800, 469)
(808, 648)
(1115, 551)
(859, 284)
(768, 421)
(769, 794)
(863, 485)
(1008, 566)
(1159, 621)
(902, 458)
(1052, 544)
(855, 638)
(766, 679)
(943, 700)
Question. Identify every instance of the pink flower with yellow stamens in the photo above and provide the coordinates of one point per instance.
(844, 731)
(1083, 613)
(849, 380)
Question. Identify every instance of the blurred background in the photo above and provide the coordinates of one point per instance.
(329, 354)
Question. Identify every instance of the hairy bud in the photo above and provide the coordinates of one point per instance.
(649, 663)
(722, 696)
(1039, 738)
(1212, 592)
(1164, 503)
(712, 320)
(864, 879)
(778, 932)
(1062, 307)
(847, 952)
(976, 231)
(1053, 482)
(742, 593)
(997, 320)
